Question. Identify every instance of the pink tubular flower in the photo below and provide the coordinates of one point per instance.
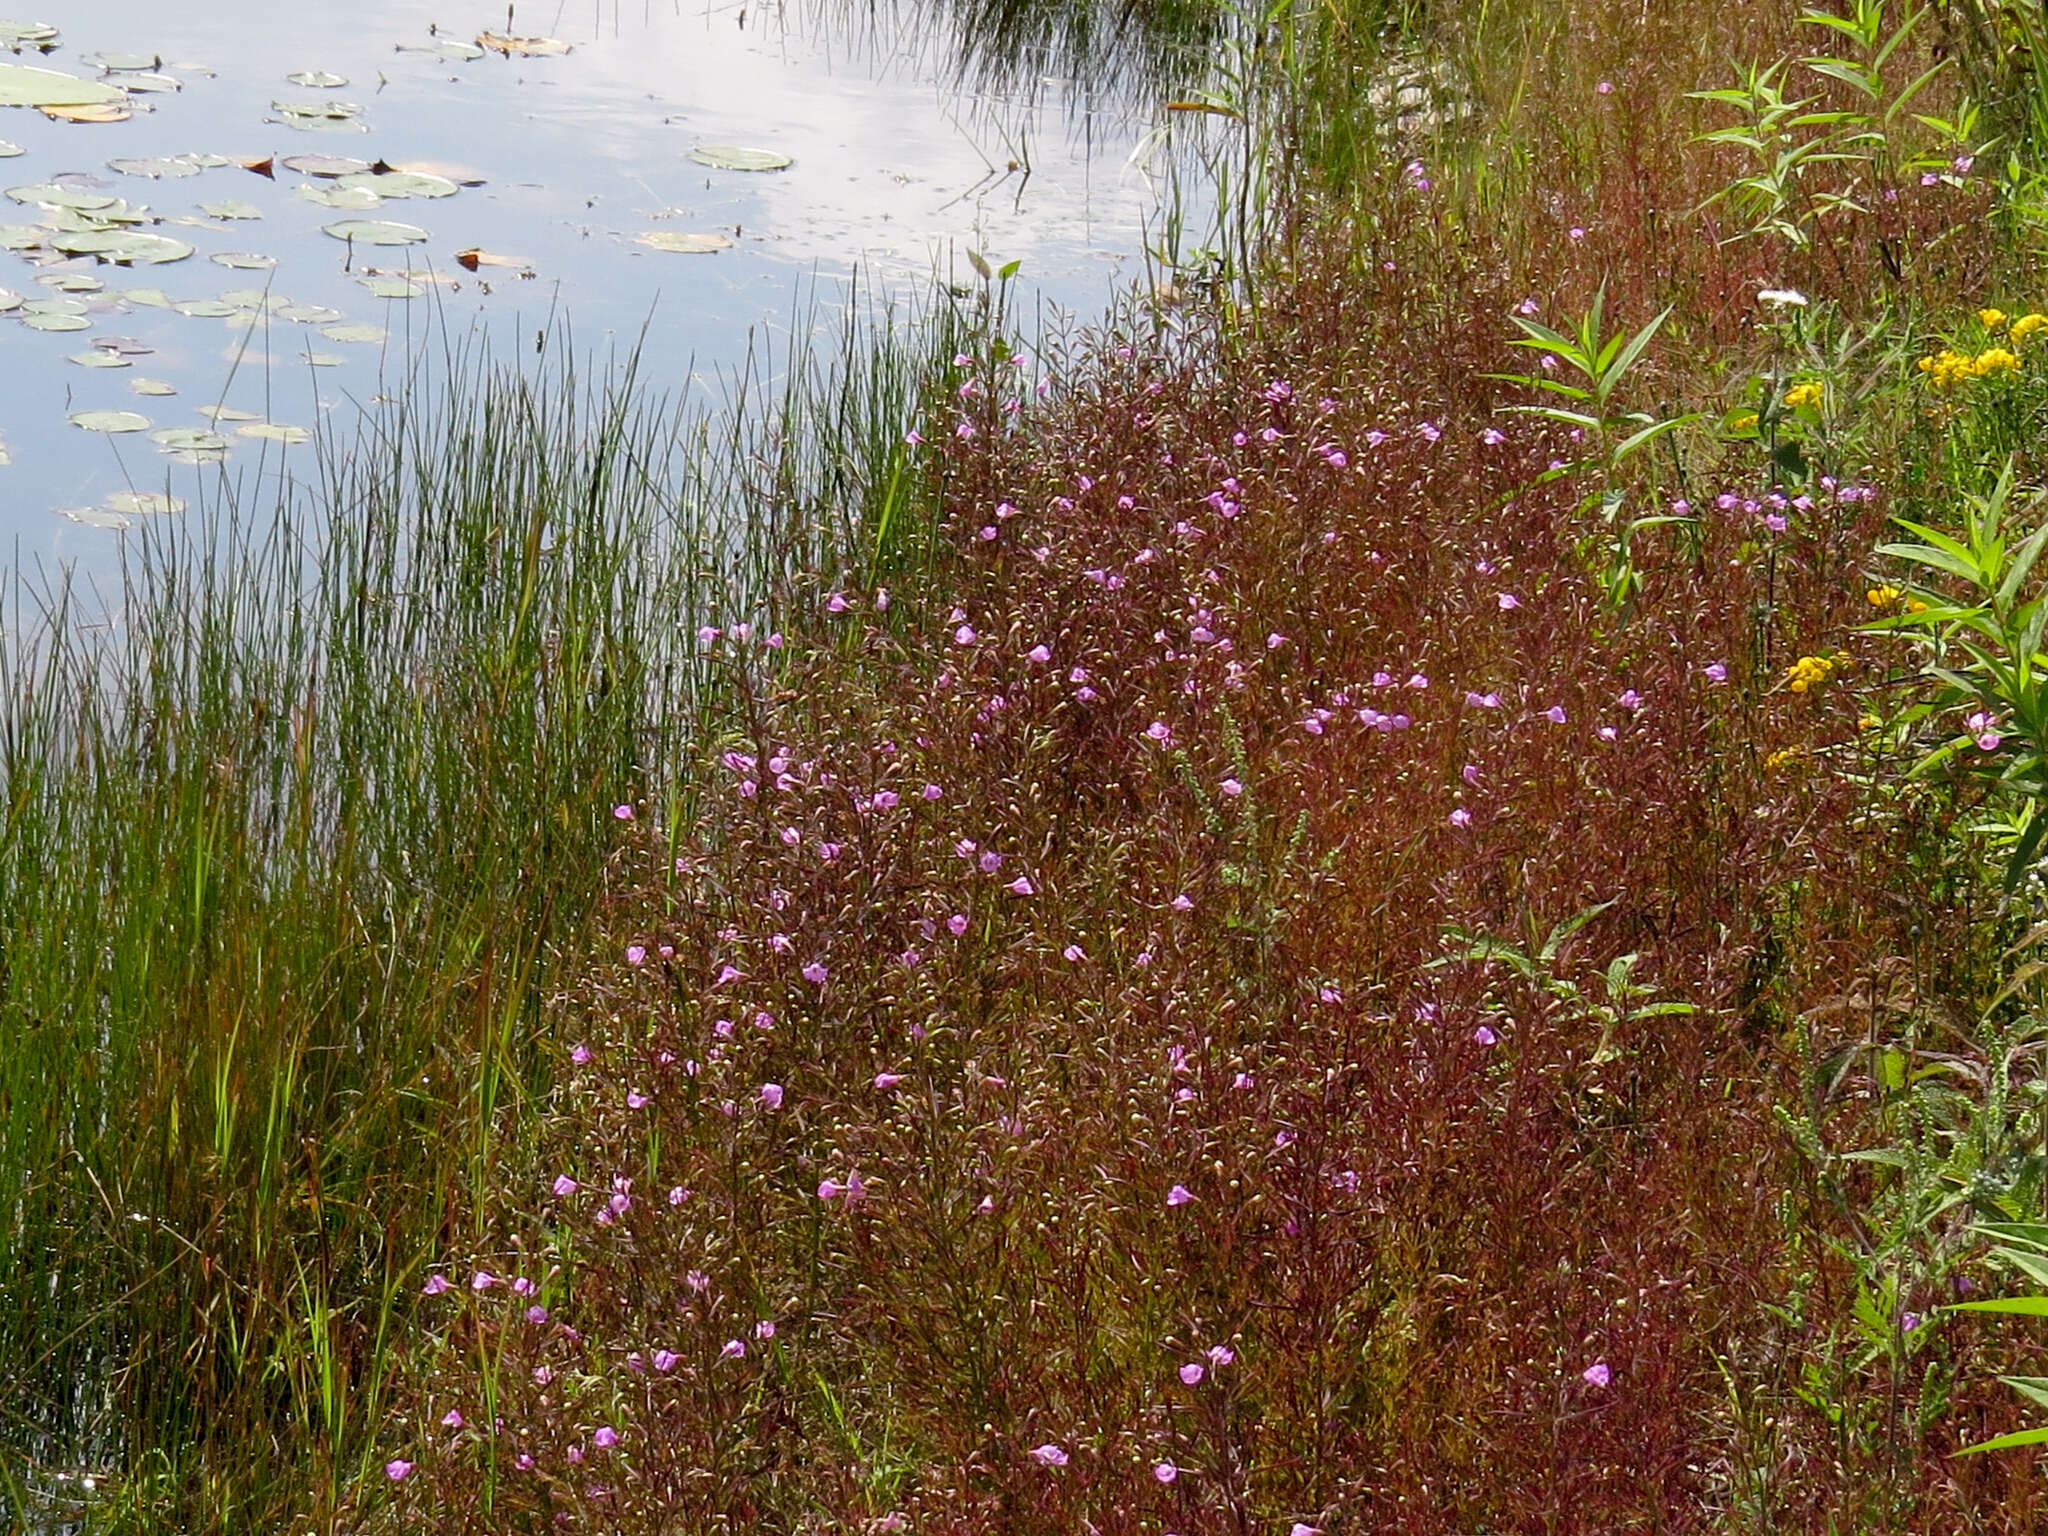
(482, 1280)
(536, 1315)
(1049, 1456)
(815, 973)
(605, 1438)
(1222, 1354)
(830, 1189)
(1166, 1471)
(1461, 817)
(622, 812)
(1555, 714)
(1231, 787)
(1179, 1195)
(636, 954)
(564, 1186)
(435, 1285)
(1191, 1374)
(1484, 1036)
(1039, 654)
(1597, 1374)
(452, 1419)
(398, 1469)
(1021, 886)
(1983, 730)
(887, 1080)
(771, 1095)
(666, 1360)
(735, 1349)
(1159, 730)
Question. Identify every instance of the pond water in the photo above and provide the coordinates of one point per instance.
(232, 259)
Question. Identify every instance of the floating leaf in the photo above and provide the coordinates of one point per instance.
(324, 360)
(45, 321)
(9, 300)
(144, 503)
(316, 79)
(156, 167)
(21, 237)
(50, 194)
(385, 285)
(243, 261)
(342, 199)
(445, 48)
(54, 307)
(525, 47)
(151, 387)
(17, 35)
(189, 439)
(109, 421)
(22, 85)
(275, 432)
(324, 165)
(375, 232)
(254, 298)
(99, 360)
(151, 82)
(204, 309)
(149, 298)
(115, 62)
(71, 282)
(8, 151)
(400, 184)
(684, 243)
(125, 248)
(294, 110)
(473, 258)
(125, 346)
(732, 157)
(92, 112)
(447, 170)
(230, 208)
(220, 413)
(354, 331)
(308, 314)
(95, 517)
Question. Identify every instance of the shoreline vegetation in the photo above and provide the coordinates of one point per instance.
(1399, 890)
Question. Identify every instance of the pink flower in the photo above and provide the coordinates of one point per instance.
(1179, 1195)
(636, 954)
(1222, 1354)
(635, 1099)
(830, 1189)
(435, 1285)
(815, 973)
(564, 1186)
(580, 1055)
(666, 1360)
(1192, 1374)
(482, 1280)
(1166, 1471)
(1302, 1529)
(1461, 817)
(1049, 1456)
(452, 1419)
(771, 1095)
(957, 923)
(1159, 730)
(1716, 672)
(1554, 714)
(622, 813)
(735, 1349)
(1021, 886)
(536, 1315)
(1073, 954)
(1039, 654)
(605, 1438)
(887, 1080)
(1484, 1036)
(1231, 787)
(398, 1469)
(1182, 903)
(931, 792)
(1597, 1374)
(837, 603)
(1509, 600)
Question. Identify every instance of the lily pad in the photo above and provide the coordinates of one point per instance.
(51, 194)
(151, 387)
(144, 503)
(243, 261)
(18, 35)
(125, 248)
(353, 331)
(124, 346)
(734, 157)
(151, 82)
(189, 440)
(110, 421)
(524, 47)
(317, 79)
(99, 360)
(340, 198)
(21, 237)
(375, 232)
(203, 309)
(308, 314)
(220, 413)
(324, 165)
(275, 432)
(324, 359)
(401, 184)
(149, 298)
(43, 320)
(9, 150)
(231, 208)
(71, 282)
(388, 285)
(95, 517)
(119, 62)
(9, 299)
(156, 167)
(91, 112)
(311, 109)
(23, 85)
(683, 242)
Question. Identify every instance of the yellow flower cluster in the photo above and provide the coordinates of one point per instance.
(1811, 671)
(1991, 319)
(2026, 325)
(1782, 757)
(1812, 392)
(1884, 596)
(1949, 368)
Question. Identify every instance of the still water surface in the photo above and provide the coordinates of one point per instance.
(557, 169)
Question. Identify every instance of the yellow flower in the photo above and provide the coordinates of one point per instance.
(1781, 757)
(1743, 422)
(2026, 325)
(1810, 393)
(1868, 723)
(1884, 596)
(1810, 672)
(1995, 360)
(1991, 319)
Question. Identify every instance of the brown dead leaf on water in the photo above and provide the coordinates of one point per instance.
(91, 112)
(475, 257)
(525, 47)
